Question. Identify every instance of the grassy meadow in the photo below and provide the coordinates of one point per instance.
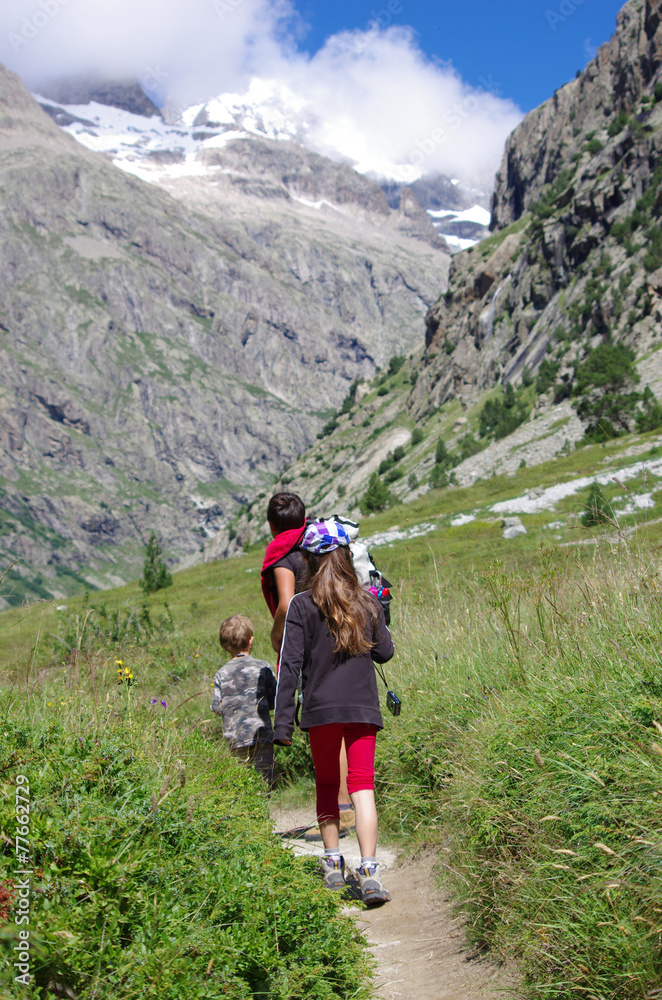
(528, 754)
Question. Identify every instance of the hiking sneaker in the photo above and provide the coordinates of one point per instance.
(313, 834)
(373, 892)
(333, 872)
(347, 821)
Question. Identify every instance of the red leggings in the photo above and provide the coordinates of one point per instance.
(325, 742)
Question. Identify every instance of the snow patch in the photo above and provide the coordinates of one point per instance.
(546, 499)
(462, 519)
(457, 243)
(643, 501)
(475, 214)
(397, 535)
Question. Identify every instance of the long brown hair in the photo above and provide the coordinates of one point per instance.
(346, 606)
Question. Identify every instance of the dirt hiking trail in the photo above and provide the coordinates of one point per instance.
(418, 944)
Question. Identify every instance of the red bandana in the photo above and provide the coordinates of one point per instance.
(281, 546)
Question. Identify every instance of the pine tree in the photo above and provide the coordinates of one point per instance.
(376, 497)
(155, 575)
(605, 387)
(598, 509)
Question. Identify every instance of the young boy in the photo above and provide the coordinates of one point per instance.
(244, 692)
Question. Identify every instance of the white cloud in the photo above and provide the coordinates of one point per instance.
(379, 100)
(371, 96)
(197, 48)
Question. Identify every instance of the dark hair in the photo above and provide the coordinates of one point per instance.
(286, 511)
(235, 633)
(346, 606)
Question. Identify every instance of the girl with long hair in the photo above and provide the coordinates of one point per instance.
(333, 632)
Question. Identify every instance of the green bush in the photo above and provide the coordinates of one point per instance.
(154, 873)
(502, 415)
(396, 363)
(547, 372)
(469, 446)
(328, 428)
(417, 436)
(391, 459)
(593, 146)
(653, 255)
(441, 477)
(350, 398)
(618, 124)
(604, 385)
(441, 455)
(649, 417)
(386, 464)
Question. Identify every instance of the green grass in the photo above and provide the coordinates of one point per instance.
(531, 726)
(529, 749)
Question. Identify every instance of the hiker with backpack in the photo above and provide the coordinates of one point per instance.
(333, 632)
(284, 573)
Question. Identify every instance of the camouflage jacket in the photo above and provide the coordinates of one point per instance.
(244, 691)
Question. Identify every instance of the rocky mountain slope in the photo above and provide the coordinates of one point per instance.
(574, 261)
(161, 359)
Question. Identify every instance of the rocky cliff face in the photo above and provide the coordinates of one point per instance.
(575, 254)
(574, 259)
(159, 361)
(127, 94)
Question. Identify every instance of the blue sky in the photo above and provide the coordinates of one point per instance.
(528, 47)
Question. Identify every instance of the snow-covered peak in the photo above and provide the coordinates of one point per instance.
(172, 146)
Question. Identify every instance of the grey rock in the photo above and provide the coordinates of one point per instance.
(512, 527)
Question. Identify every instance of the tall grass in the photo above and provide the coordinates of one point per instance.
(154, 870)
(530, 751)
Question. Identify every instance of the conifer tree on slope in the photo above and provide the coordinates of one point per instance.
(155, 575)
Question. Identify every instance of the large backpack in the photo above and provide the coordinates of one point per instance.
(364, 566)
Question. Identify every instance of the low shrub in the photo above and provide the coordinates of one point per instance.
(154, 873)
